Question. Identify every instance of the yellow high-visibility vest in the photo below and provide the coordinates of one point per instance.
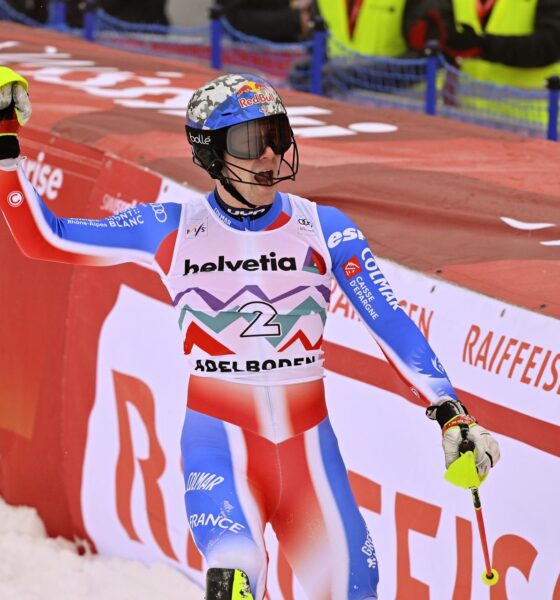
(508, 17)
(378, 29)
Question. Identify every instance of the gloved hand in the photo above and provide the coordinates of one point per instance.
(452, 417)
(462, 42)
(15, 110)
(429, 27)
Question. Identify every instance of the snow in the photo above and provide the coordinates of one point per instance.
(36, 567)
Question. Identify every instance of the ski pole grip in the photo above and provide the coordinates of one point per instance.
(466, 445)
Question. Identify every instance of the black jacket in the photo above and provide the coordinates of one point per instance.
(273, 20)
(539, 49)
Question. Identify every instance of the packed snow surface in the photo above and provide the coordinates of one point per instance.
(36, 567)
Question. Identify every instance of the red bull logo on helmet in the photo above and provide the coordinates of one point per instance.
(259, 93)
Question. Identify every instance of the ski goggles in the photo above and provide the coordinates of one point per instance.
(247, 140)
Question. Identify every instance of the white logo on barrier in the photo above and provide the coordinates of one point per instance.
(116, 205)
(530, 226)
(164, 95)
(15, 199)
(45, 178)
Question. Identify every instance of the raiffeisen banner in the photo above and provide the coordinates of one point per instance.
(423, 528)
(93, 382)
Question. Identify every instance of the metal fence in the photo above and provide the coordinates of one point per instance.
(429, 83)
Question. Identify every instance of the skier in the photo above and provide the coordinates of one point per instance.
(249, 269)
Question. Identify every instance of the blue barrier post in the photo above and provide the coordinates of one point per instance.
(553, 85)
(90, 20)
(57, 14)
(216, 36)
(430, 100)
(319, 55)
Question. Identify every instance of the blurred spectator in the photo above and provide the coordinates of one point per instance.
(274, 20)
(505, 42)
(75, 10)
(34, 9)
(133, 11)
(372, 27)
(137, 11)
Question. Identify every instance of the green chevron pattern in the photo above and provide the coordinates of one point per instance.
(224, 319)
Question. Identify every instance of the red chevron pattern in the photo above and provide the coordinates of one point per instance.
(299, 335)
(196, 336)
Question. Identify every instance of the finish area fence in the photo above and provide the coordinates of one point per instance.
(428, 83)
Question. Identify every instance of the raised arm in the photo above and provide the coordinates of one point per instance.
(407, 350)
(136, 235)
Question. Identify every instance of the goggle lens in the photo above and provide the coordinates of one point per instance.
(249, 140)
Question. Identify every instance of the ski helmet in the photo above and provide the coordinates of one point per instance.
(240, 115)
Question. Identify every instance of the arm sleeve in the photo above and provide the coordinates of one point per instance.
(134, 235)
(359, 276)
(539, 49)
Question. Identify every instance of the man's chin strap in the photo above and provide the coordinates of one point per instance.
(235, 193)
(228, 186)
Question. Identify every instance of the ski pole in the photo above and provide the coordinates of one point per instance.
(490, 576)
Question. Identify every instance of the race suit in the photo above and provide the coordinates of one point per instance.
(251, 298)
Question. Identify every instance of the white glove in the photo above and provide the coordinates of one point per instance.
(460, 431)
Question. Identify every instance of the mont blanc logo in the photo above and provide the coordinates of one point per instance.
(15, 199)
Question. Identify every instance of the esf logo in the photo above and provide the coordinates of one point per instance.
(263, 263)
(199, 139)
(349, 234)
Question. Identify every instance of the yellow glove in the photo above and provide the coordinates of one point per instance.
(15, 110)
